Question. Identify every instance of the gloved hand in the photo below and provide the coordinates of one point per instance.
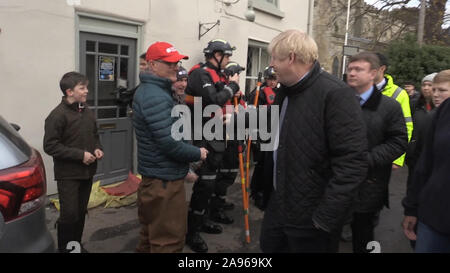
(233, 88)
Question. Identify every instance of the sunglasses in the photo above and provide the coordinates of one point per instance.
(172, 65)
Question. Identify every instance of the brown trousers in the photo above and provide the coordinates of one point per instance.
(162, 212)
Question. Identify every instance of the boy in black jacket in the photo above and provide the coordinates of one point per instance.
(427, 201)
(72, 140)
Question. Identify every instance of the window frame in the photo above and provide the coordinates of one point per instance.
(270, 8)
(261, 46)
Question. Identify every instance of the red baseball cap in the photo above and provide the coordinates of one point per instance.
(165, 52)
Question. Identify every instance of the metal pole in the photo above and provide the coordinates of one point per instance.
(421, 22)
(346, 36)
(310, 17)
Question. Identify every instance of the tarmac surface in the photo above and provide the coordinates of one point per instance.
(116, 230)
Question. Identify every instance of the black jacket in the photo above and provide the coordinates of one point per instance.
(428, 196)
(413, 100)
(322, 152)
(201, 84)
(69, 132)
(262, 100)
(421, 120)
(212, 91)
(387, 139)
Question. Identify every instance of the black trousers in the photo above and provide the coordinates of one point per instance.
(73, 199)
(256, 184)
(228, 170)
(277, 237)
(363, 226)
(225, 178)
(203, 190)
(205, 186)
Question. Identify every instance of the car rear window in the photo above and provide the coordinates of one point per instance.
(13, 149)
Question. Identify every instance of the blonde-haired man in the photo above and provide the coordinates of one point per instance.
(320, 157)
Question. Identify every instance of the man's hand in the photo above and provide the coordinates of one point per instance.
(203, 153)
(88, 158)
(191, 177)
(235, 78)
(409, 224)
(98, 153)
(395, 167)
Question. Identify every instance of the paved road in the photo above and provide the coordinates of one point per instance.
(115, 230)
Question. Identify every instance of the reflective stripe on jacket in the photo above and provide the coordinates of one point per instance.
(394, 91)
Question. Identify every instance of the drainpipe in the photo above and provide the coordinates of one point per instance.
(310, 17)
(344, 58)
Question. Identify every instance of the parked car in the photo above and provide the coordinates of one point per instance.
(23, 189)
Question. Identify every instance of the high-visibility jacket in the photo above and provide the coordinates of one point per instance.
(399, 94)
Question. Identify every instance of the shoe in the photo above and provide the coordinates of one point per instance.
(219, 216)
(211, 228)
(228, 206)
(196, 243)
(220, 203)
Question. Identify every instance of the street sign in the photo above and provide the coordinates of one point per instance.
(350, 50)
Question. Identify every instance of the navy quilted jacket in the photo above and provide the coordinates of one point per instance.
(322, 155)
(159, 155)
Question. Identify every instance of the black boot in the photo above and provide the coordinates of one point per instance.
(219, 216)
(196, 242)
(221, 203)
(193, 239)
(227, 205)
(211, 228)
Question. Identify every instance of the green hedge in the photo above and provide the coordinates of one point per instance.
(409, 62)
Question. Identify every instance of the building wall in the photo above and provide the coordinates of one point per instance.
(38, 44)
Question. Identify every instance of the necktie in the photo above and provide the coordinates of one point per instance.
(360, 100)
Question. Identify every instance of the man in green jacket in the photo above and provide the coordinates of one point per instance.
(385, 84)
(163, 161)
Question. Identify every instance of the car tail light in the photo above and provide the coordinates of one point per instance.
(22, 188)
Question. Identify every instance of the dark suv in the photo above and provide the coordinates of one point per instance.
(22, 195)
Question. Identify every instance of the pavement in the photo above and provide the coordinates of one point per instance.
(116, 230)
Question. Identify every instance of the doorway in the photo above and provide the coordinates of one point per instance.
(109, 62)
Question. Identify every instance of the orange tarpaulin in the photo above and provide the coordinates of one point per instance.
(116, 195)
(128, 187)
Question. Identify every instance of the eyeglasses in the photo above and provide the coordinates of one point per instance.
(172, 65)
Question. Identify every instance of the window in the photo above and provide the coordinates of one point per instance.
(336, 27)
(269, 6)
(257, 59)
(273, 2)
(335, 67)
